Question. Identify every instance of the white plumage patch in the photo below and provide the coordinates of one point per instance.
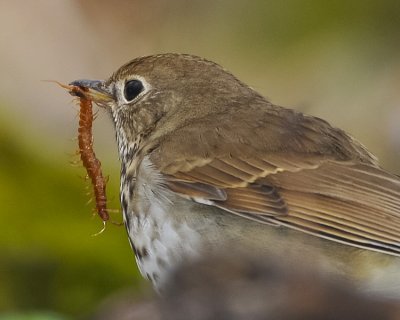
(160, 236)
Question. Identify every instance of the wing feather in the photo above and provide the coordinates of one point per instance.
(353, 203)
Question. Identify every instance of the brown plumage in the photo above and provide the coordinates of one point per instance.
(198, 148)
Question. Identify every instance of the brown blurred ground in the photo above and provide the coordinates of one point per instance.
(238, 287)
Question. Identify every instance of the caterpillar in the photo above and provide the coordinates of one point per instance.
(87, 155)
(86, 152)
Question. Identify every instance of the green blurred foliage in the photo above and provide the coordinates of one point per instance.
(33, 316)
(294, 21)
(49, 257)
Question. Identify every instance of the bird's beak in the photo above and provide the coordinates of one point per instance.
(95, 90)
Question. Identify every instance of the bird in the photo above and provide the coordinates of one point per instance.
(210, 165)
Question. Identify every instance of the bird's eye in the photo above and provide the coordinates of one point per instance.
(132, 89)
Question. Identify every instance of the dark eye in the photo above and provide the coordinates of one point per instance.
(132, 89)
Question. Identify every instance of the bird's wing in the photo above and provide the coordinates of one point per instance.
(238, 185)
(358, 204)
(276, 166)
(353, 203)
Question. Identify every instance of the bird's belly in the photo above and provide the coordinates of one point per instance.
(160, 242)
(158, 232)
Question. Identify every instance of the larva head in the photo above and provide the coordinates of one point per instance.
(156, 94)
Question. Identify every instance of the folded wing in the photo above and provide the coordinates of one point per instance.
(353, 203)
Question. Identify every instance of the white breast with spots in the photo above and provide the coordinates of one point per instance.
(159, 235)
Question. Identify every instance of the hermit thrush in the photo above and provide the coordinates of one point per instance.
(208, 164)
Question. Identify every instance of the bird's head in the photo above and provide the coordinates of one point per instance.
(163, 91)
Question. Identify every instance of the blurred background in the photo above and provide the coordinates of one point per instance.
(338, 60)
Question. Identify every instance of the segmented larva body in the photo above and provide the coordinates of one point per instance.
(86, 152)
(87, 155)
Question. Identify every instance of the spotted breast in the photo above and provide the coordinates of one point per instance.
(159, 236)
